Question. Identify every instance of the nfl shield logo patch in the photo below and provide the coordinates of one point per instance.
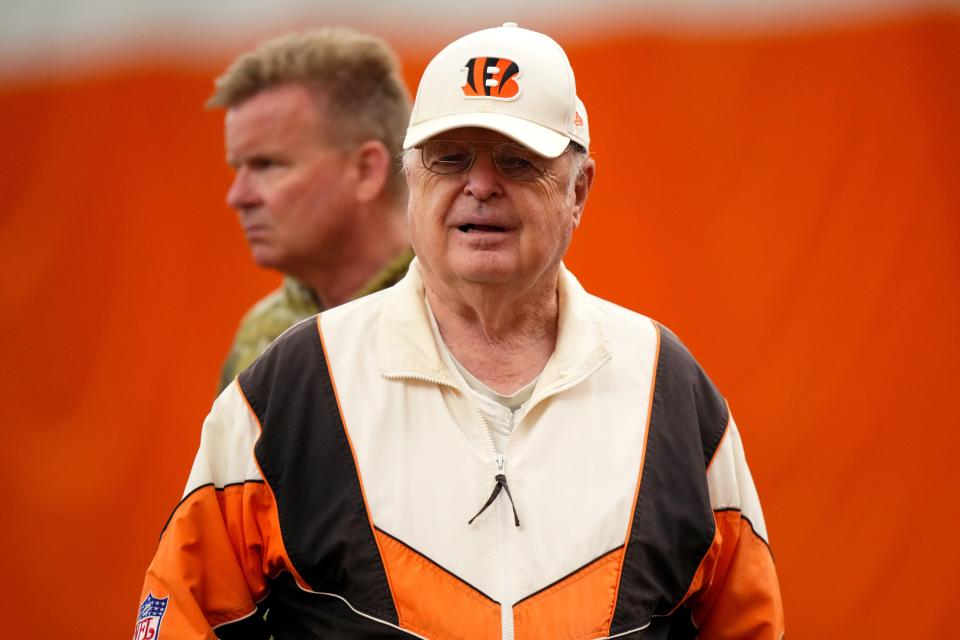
(151, 614)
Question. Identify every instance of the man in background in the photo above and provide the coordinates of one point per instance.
(314, 123)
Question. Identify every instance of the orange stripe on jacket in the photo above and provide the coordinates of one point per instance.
(432, 602)
(578, 606)
(734, 593)
(213, 556)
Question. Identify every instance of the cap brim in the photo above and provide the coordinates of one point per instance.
(546, 142)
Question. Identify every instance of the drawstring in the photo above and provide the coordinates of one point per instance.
(501, 484)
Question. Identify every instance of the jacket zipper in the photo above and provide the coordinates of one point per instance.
(503, 531)
(500, 462)
(504, 521)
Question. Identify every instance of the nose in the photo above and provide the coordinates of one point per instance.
(242, 193)
(483, 179)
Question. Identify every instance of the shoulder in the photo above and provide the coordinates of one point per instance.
(621, 318)
(627, 334)
(685, 395)
(288, 368)
(674, 359)
(360, 310)
(392, 273)
(295, 346)
(686, 403)
(267, 319)
(291, 385)
(278, 310)
(299, 354)
(273, 315)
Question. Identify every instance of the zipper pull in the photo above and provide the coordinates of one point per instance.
(500, 461)
(501, 485)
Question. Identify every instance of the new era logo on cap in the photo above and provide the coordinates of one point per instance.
(489, 77)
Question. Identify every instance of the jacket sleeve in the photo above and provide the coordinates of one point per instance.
(220, 543)
(735, 593)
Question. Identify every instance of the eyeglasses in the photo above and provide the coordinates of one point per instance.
(450, 157)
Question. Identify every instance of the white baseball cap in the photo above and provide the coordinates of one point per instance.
(511, 80)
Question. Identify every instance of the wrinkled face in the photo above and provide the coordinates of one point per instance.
(482, 227)
(288, 190)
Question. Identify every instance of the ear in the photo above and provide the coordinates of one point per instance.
(372, 166)
(581, 188)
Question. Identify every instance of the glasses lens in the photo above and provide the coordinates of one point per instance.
(446, 157)
(517, 162)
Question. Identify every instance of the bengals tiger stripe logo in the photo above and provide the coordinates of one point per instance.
(491, 78)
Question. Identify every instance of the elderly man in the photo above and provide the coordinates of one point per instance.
(313, 129)
(483, 450)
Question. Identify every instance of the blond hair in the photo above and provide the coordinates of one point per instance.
(356, 76)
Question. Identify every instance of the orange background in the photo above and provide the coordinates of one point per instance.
(788, 203)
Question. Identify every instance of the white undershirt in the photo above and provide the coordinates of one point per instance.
(498, 410)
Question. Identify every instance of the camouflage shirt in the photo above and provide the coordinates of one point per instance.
(292, 302)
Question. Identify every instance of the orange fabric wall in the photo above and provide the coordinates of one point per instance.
(789, 204)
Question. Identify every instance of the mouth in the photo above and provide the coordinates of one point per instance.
(256, 231)
(481, 228)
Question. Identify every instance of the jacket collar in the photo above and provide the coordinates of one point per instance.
(406, 346)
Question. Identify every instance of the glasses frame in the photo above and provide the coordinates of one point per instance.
(484, 145)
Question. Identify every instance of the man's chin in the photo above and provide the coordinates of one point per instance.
(486, 268)
(266, 259)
